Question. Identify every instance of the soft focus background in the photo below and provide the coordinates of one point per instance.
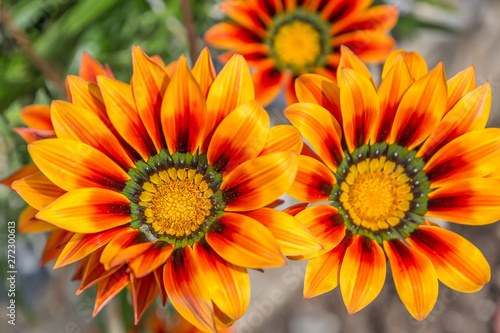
(41, 41)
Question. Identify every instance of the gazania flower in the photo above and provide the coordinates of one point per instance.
(165, 186)
(389, 160)
(284, 39)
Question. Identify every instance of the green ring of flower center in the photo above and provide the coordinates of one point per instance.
(381, 191)
(299, 41)
(174, 198)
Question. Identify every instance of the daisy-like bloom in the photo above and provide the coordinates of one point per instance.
(283, 39)
(390, 160)
(165, 185)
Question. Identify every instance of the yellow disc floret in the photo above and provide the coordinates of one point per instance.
(176, 202)
(297, 44)
(376, 194)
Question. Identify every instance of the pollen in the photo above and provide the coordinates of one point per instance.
(176, 202)
(297, 44)
(376, 194)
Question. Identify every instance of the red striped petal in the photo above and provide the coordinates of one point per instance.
(185, 288)
(54, 245)
(362, 274)
(143, 291)
(458, 263)
(151, 259)
(415, 278)
(91, 68)
(282, 138)
(245, 242)
(37, 190)
(88, 210)
(94, 271)
(109, 287)
(125, 246)
(268, 81)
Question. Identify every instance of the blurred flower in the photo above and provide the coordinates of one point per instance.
(163, 186)
(284, 39)
(389, 158)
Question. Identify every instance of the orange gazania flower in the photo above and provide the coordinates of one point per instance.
(166, 183)
(284, 39)
(390, 160)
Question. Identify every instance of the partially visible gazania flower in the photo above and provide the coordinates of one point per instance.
(165, 184)
(283, 39)
(389, 159)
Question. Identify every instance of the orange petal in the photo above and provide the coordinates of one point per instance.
(227, 284)
(362, 274)
(81, 245)
(36, 116)
(314, 181)
(231, 88)
(88, 210)
(143, 291)
(183, 114)
(416, 63)
(260, 181)
(317, 89)
(125, 246)
(415, 278)
(474, 154)
(54, 245)
(161, 285)
(87, 95)
(460, 85)
(70, 165)
(320, 128)
(37, 190)
(94, 271)
(240, 137)
(474, 201)
(360, 109)
(326, 224)
(243, 15)
(350, 60)
(245, 242)
(295, 209)
(391, 90)
(91, 68)
(469, 113)
(151, 259)
(282, 138)
(79, 124)
(31, 135)
(292, 236)
(109, 287)
(268, 82)
(24, 171)
(228, 35)
(204, 71)
(185, 288)
(382, 18)
(149, 83)
(323, 272)
(120, 106)
(421, 108)
(458, 263)
(28, 223)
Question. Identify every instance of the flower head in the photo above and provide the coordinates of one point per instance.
(165, 183)
(284, 39)
(388, 161)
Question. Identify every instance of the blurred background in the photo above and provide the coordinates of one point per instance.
(41, 41)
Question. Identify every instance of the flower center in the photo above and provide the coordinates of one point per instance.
(297, 44)
(381, 191)
(174, 198)
(376, 194)
(175, 204)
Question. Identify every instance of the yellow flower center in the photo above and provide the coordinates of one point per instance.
(297, 44)
(176, 202)
(376, 194)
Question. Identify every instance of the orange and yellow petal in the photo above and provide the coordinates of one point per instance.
(415, 62)
(109, 287)
(71, 165)
(415, 278)
(362, 274)
(88, 210)
(24, 171)
(458, 263)
(143, 291)
(37, 190)
(474, 201)
(36, 116)
(184, 284)
(151, 259)
(260, 181)
(91, 68)
(460, 85)
(126, 246)
(28, 223)
(204, 71)
(268, 81)
(245, 242)
(292, 236)
(282, 138)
